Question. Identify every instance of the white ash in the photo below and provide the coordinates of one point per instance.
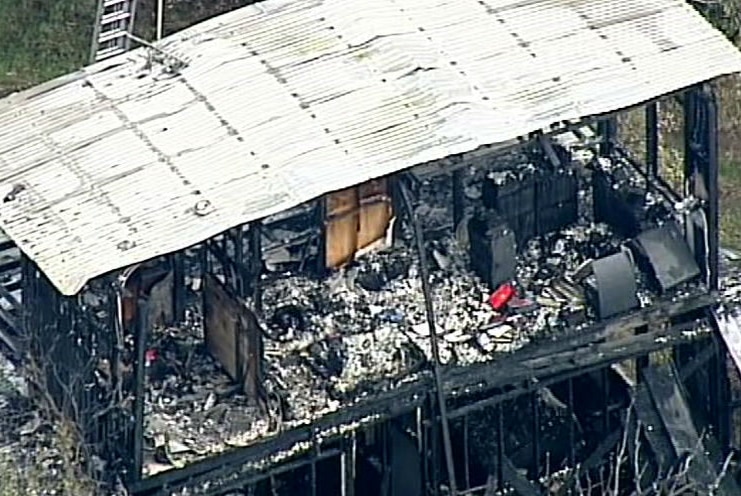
(365, 331)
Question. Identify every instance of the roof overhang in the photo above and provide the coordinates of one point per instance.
(283, 101)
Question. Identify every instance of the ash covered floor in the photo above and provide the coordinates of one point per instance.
(332, 342)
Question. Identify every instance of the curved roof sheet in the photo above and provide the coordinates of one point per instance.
(283, 101)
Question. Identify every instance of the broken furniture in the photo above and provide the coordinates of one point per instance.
(664, 254)
(493, 248)
(613, 290)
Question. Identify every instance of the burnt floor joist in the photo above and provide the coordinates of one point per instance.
(670, 427)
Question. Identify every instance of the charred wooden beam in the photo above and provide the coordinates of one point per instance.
(141, 335)
(178, 286)
(652, 139)
(674, 413)
(563, 361)
(519, 483)
(697, 362)
(459, 198)
(564, 365)
(256, 265)
(430, 314)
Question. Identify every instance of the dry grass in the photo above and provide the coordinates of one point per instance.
(672, 156)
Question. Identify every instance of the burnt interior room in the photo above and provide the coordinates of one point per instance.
(521, 247)
(515, 255)
(468, 285)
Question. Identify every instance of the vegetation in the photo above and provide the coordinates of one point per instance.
(42, 39)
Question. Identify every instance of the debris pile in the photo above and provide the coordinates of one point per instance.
(364, 330)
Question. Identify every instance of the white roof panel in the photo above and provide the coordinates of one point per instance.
(283, 101)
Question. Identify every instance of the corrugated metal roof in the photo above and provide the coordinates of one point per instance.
(283, 101)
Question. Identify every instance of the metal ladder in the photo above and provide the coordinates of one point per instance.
(115, 22)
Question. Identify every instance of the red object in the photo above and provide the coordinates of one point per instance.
(150, 356)
(499, 298)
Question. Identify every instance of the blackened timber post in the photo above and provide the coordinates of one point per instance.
(500, 447)
(226, 265)
(459, 204)
(240, 283)
(466, 463)
(347, 465)
(536, 435)
(256, 264)
(722, 395)
(712, 172)
(321, 221)
(430, 314)
(652, 140)
(205, 262)
(139, 387)
(689, 110)
(178, 286)
(702, 169)
(572, 424)
(605, 379)
(607, 129)
(315, 456)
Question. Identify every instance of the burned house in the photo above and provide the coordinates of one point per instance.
(341, 248)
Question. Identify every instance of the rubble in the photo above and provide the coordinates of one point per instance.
(329, 342)
(31, 456)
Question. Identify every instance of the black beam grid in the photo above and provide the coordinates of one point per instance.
(591, 356)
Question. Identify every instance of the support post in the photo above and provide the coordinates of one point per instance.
(712, 172)
(652, 140)
(701, 172)
(256, 264)
(430, 314)
(536, 435)
(139, 387)
(321, 221)
(607, 129)
(572, 423)
(178, 286)
(722, 396)
(205, 262)
(312, 466)
(240, 283)
(459, 202)
(347, 465)
(160, 19)
(605, 379)
(500, 447)
(466, 462)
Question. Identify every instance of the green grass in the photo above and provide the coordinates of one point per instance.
(730, 224)
(42, 39)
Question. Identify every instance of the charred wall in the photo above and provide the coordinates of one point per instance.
(80, 365)
(233, 336)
